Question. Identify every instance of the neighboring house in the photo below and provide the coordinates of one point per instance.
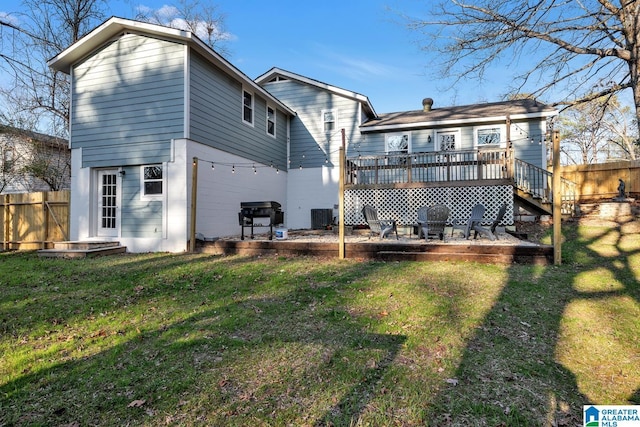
(151, 105)
(31, 161)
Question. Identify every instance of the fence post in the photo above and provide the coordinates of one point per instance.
(45, 219)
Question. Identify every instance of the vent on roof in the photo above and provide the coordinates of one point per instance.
(427, 103)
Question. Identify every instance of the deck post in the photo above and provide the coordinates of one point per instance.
(557, 201)
(342, 162)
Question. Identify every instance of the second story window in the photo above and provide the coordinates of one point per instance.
(247, 107)
(8, 157)
(490, 136)
(329, 119)
(397, 143)
(446, 141)
(271, 121)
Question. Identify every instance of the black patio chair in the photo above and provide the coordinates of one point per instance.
(432, 220)
(382, 227)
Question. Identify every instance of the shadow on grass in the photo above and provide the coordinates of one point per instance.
(514, 370)
(244, 341)
(237, 357)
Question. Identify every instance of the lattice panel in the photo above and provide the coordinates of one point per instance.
(402, 204)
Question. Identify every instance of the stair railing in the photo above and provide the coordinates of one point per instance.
(537, 182)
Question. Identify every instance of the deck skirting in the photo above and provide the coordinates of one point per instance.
(498, 254)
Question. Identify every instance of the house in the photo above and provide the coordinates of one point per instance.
(31, 161)
(147, 101)
(423, 137)
(168, 137)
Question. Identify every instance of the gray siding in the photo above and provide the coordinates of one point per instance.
(139, 218)
(216, 117)
(310, 145)
(521, 134)
(128, 102)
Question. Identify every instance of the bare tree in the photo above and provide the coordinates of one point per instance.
(583, 134)
(623, 131)
(36, 94)
(201, 18)
(597, 131)
(584, 49)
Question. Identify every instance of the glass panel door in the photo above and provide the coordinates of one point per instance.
(108, 212)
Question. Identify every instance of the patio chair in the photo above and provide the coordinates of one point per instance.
(431, 221)
(383, 227)
(473, 223)
(422, 218)
(501, 212)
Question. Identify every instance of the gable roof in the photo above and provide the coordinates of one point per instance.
(115, 27)
(278, 73)
(40, 138)
(460, 115)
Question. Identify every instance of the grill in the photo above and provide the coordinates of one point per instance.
(268, 211)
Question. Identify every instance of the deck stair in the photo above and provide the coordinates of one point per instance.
(82, 249)
(533, 186)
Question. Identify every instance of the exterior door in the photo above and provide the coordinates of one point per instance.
(108, 212)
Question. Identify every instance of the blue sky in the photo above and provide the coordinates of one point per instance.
(359, 45)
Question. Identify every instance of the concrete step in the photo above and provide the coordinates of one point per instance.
(82, 250)
(84, 245)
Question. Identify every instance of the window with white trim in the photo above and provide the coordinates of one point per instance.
(397, 142)
(247, 107)
(8, 156)
(329, 120)
(490, 136)
(448, 140)
(271, 121)
(152, 182)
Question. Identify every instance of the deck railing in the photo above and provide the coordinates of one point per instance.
(442, 166)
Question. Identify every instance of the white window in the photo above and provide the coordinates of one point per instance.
(271, 121)
(247, 107)
(493, 136)
(8, 156)
(329, 120)
(447, 140)
(398, 142)
(152, 182)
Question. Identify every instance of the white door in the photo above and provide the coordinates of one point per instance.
(108, 212)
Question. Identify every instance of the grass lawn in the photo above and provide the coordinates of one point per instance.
(192, 339)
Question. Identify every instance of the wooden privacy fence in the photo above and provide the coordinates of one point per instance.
(600, 181)
(34, 220)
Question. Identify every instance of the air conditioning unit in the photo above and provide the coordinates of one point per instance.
(320, 218)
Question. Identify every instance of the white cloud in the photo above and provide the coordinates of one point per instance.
(358, 68)
(170, 16)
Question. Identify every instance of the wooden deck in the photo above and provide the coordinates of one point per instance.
(388, 250)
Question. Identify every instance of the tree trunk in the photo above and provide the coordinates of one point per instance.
(631, 28)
